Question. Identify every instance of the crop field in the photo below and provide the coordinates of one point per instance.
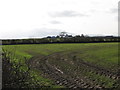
(83, 65)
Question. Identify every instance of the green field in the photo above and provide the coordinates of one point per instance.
(94, 64)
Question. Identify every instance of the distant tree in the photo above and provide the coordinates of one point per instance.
(57, 36)
(77, 36)
(48, 36)
(62, 34)
(82, 35)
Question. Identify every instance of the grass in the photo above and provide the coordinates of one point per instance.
(19, 57)
(101, 54)
(108, 83)
(105, 55)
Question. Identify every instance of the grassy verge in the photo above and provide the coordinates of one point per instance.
(21, 75)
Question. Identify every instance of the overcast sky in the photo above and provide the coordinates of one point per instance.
(39, 18)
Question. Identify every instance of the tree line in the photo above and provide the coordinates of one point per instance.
(69, 39)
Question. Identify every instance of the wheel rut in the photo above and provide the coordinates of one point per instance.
(60, 78)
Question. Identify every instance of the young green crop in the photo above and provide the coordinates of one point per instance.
(105, 54)
(99, 54)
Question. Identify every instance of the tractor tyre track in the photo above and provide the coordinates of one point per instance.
(42, 63)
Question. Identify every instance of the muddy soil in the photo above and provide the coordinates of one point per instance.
(54, 67)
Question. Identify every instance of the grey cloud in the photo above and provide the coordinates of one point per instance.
(94, 11)
(55, 22)
(36, 33)
(43, 32)
(14, 35)
(67, 14)
(114, 10)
